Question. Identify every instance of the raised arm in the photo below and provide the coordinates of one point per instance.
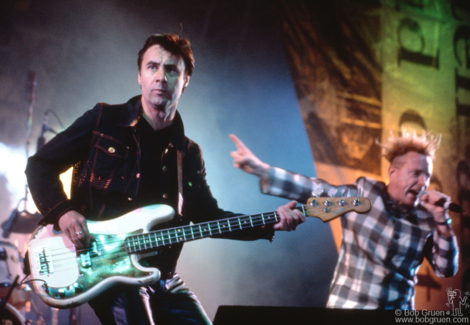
(244, 159)
(279, 182)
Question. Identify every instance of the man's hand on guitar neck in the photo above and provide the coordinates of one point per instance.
(289, 218)
(73, 225)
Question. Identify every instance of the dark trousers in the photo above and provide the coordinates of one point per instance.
(166, 302)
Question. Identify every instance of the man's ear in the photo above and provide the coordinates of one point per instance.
(139, 79)
(391, 170)
(186, 82)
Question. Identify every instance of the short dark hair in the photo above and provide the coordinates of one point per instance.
(174, 44)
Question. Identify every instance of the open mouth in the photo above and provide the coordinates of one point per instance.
(415, 193)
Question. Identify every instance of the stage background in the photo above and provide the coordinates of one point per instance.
(257, 75)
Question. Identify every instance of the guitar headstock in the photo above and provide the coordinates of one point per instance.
(328, 208)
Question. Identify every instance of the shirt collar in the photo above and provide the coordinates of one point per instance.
(134, 113)
(398, 210)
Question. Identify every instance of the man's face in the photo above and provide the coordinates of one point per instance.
(162, 78)
(409, 175)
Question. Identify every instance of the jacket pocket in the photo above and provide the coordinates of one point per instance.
(107, 161)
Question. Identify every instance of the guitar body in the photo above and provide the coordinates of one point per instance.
(64, 277)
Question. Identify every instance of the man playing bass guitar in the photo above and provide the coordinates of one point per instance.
(132, 155)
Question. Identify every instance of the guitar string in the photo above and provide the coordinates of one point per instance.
(232, 220)
(169, 239)
(211, 224)
(121, 251)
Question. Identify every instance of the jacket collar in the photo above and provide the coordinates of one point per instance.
(133, 114)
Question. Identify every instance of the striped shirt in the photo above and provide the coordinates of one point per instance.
(382, 250)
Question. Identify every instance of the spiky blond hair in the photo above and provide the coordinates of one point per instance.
(425, 144)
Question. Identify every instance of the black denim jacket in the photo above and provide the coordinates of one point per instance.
(103, 147)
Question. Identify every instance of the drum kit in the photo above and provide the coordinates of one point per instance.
(16, 299)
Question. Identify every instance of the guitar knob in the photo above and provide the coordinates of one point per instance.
(78, 288)
(327, 203)
(356, 202)
(314, 203)
(342, 202)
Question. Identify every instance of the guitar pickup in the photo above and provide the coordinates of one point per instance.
(85, 259)
(45, 262)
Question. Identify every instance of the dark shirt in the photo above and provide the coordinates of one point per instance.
(152, 145)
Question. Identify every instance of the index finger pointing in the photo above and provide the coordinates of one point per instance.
(238, 143)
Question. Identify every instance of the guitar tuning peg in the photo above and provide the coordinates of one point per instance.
(342, 202)
(356, 202)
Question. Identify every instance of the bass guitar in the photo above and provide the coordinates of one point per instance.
(65, 277)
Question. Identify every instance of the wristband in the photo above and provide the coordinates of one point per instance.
(444, 223)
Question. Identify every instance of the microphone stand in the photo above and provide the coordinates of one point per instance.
(32, 84)
(45, 128)
(40, 143)
(32, 99)
(7, 225)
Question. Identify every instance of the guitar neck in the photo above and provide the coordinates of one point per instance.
(160, 238)
(324, 208)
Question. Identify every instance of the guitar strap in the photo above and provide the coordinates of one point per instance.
(179, 158)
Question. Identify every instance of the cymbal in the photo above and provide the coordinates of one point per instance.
(23, 223)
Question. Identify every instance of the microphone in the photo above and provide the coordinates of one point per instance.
(443, 203)
(449, 205)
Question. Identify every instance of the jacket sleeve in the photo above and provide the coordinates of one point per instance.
(199, 204)
(55, 157)
(298, 187)
(443, 254)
